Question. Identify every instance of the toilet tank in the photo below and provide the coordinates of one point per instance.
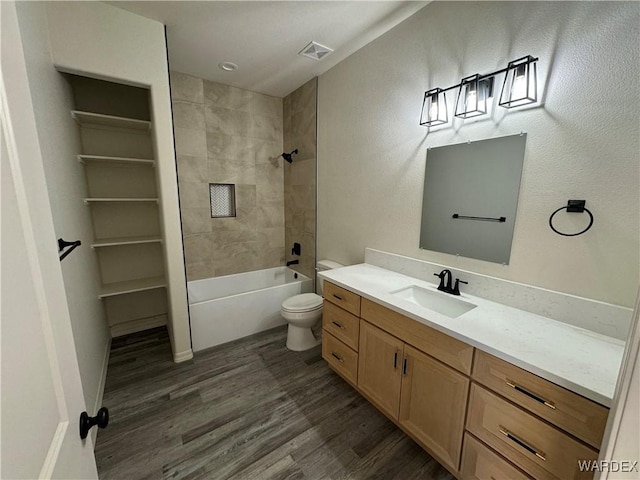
(323, 265)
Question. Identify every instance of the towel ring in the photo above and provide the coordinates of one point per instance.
(573, 206)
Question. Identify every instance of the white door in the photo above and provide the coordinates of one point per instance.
(41, 395)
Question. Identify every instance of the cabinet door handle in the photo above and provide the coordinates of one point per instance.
(338, 297)
(522, 443)
(337, 324)
(404, 366)
(337, 357)
(395, 360)
(530, 394)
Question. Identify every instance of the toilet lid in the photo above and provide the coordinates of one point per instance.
(302, 303)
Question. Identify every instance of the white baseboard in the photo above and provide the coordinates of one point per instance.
(125, 328)
(101, 385)
(183, 356)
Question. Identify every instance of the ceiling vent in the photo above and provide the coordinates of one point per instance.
(315, 50)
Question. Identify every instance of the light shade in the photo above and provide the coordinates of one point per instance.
(520, 83)
(434, 108)
(472, 97)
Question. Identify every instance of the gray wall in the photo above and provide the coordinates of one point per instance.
(582, 141)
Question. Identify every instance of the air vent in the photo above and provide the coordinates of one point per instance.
(315, 50)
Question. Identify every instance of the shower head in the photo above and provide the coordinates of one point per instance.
(288, 156)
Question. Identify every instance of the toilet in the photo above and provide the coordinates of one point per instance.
(303, 311)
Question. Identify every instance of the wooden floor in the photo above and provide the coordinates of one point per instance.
(250, 409)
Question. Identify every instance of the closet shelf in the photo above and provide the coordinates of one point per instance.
(132, 286)
(112, 242)
(114, 200)
(89, 118)
(86, 159)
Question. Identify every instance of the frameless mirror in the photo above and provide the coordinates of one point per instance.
(470, 198)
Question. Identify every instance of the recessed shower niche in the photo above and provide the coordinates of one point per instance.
(123, 198)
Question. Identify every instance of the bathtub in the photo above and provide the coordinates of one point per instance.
(234, 306)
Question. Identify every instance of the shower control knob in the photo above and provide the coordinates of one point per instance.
(86, 422)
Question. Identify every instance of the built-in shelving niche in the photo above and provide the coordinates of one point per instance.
(121, 192)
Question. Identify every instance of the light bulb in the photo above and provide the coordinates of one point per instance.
(472, 101)
(433, 111)
(519, 89)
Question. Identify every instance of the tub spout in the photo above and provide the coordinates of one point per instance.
(292, 262)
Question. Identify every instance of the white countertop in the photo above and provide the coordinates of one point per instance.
(580, 360)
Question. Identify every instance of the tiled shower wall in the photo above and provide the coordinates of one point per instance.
(300, 176)
(229, 135)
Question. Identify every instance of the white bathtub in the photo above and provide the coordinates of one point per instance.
(234, 306)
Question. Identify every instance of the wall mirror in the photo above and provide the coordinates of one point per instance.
(470, 198)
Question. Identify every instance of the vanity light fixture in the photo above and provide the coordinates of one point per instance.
(472, 96)
(434, 108)
(519, 88)
(520, 83)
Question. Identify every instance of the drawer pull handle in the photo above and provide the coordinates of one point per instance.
(337, 324)
(522, 443)
(404, 366)
(337, 357)
(530, 394)
(338, 297)
(395, 360)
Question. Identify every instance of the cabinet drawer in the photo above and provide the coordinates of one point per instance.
(481, 463)
(340, 357)
(345, 299)
(571, 412)
(535, 446)
(341, 324)
(447, 349)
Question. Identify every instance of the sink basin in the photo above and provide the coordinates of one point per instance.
(434, 300)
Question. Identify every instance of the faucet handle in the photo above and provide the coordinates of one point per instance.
(456, 287)
(441, 275)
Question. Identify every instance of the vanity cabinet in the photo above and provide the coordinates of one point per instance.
(481, 463)
(342, 359)
(571, 412)
(343, 298)
(538, 448)
(341, 331)
(433, 402)
(426, 398)
(418, 376)
(422, 385)
(445, 394)
(341, 324)
(532, 422)
(380, 369)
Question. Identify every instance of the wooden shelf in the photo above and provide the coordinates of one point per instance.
(132, 286)
(113, 200)
(88, 118)
(112, 242)
(86, 159)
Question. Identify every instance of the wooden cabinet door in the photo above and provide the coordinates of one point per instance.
(432, 405)
(380, 368)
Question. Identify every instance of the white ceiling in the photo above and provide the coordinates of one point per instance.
(264, 37)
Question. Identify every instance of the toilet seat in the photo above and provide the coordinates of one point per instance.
(304, 302)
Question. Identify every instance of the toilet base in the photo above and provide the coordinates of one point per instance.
(300, 339)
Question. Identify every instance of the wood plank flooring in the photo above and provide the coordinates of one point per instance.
(249, 409)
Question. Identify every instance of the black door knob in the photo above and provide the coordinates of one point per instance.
(86, 422)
